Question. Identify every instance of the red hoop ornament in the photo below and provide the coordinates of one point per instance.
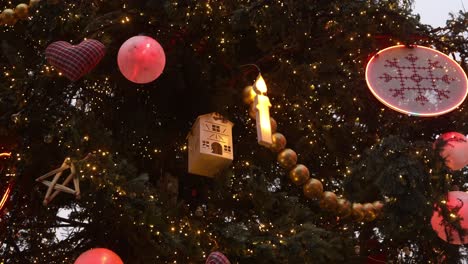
(5, 197)
(416, 80)
(6, 192)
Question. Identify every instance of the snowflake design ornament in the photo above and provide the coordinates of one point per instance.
(416, 80)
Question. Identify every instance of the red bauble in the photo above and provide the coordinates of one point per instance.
(74, 61)
(141, 59)
(454, 150)
(98, 256)
(457, 203)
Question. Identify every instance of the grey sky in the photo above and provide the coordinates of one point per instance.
(435, 12)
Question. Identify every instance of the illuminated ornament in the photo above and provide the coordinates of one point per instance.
(262, 107)
(457, 205)
(74, 61)
(141, 59)
(217, 258)
(210, 145)
(453, 148)
(416, 80)
(98, 256)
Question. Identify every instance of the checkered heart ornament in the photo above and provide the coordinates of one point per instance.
(74, 61)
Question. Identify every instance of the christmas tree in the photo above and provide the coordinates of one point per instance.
(112, 149)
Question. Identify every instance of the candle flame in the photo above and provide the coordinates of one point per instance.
(260, 85)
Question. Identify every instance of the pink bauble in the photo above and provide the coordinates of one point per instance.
(456, 200)
(98, 256)
(141, 59)
(217, 257)
(455, 151)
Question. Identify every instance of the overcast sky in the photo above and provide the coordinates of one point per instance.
(435, 12)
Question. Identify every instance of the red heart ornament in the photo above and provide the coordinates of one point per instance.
(74, 61)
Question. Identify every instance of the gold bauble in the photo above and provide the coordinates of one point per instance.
(357, 212)
(313, 189)
(287, 158)
(329, 201)
(369, 212)
(273, 125)
(33, 3)
(21, 11)
(299, 174)
(248, 94)
(8, 17)
(252, 112)
(378, 206)
(278, 142)
(344, 208)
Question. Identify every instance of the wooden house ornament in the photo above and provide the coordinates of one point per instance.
(210, 145)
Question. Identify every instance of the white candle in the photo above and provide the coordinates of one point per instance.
(262, 107)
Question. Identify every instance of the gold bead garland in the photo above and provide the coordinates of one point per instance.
(10, 16)
(278, 142)
(312, 188)
(344, 208)
(299, 174)
(370, 212)
(248, 94)
(287, 158)
(34, 3)
(329, 201)
(273, 125)
(22, 11)
(358, 212)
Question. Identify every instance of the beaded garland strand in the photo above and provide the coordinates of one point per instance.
(9, 16)
(313, 188)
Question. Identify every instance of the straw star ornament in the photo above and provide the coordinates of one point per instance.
(54, 188)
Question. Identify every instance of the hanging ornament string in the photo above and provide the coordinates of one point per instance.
(298, 173)
(9, 16)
